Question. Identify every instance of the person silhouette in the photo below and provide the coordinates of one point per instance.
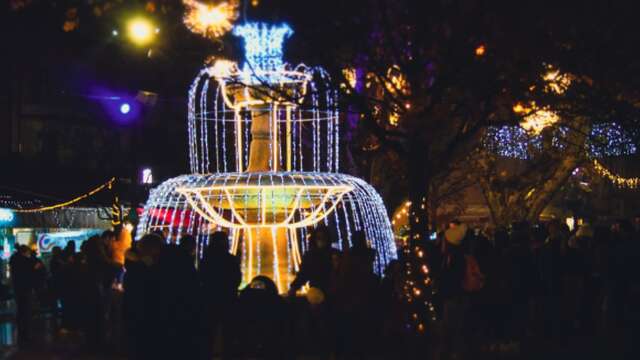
(220, 276)
(23, 276)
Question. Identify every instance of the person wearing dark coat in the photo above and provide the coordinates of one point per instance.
(262, 320)
(23, 276)
(319, 270)
(318, 264)
(177, 300)
(55, 268)
(451, 277)
(357, 296)
(220, 276)
(521, 273)
(101, 271)
(140, 302)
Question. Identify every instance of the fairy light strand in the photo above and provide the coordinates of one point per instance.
(106, 185)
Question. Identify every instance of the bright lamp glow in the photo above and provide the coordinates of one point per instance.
(125, 108)
(210, 20)
(147, 176)
(141, 31)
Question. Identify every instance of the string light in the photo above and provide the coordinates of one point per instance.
(630, 183)
(106, 185)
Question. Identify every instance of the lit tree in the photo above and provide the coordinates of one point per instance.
(429, 85)
(425, 86)
(582, 107)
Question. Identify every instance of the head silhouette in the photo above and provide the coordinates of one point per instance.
(320, 238)
(219, 242)
(359, 240)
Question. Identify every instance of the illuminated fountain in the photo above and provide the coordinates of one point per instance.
(264, 155)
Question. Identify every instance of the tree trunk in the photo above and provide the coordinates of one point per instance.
(523, 196)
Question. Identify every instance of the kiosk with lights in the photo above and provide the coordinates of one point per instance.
(264, 154)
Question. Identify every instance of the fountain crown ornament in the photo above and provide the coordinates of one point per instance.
(263, 49)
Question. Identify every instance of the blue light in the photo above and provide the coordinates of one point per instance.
(263, 48)
(125, 108)
(6, 216)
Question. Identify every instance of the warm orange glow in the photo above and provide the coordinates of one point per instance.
(141, 31)
(518, 108)
(211, 21)
(556, 81)
(480, 50)
(350, 76)
(539, 120)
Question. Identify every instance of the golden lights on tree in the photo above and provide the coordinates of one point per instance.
(72, 21)
(556, 82)
(397, 85)
(536, 118)
(350, 76)
(208, 19)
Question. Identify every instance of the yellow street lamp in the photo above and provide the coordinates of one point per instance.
(141, 31)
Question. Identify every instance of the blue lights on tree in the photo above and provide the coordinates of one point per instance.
(608, 139)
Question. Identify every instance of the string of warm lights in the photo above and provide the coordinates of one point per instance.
(630, 183)
(418, 288)
(106, 185)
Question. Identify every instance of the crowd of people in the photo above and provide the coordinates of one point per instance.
(497, 288)
(490, 289)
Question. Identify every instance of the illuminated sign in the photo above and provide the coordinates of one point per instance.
(6, 216)
(47, 241)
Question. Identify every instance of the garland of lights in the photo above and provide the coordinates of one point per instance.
(630, 183)
(515, 142)
(106, 185)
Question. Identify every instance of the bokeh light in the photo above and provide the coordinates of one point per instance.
(210, 20)
(125, 108)
(141, 31)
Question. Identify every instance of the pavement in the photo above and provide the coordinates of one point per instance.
(53, 344)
